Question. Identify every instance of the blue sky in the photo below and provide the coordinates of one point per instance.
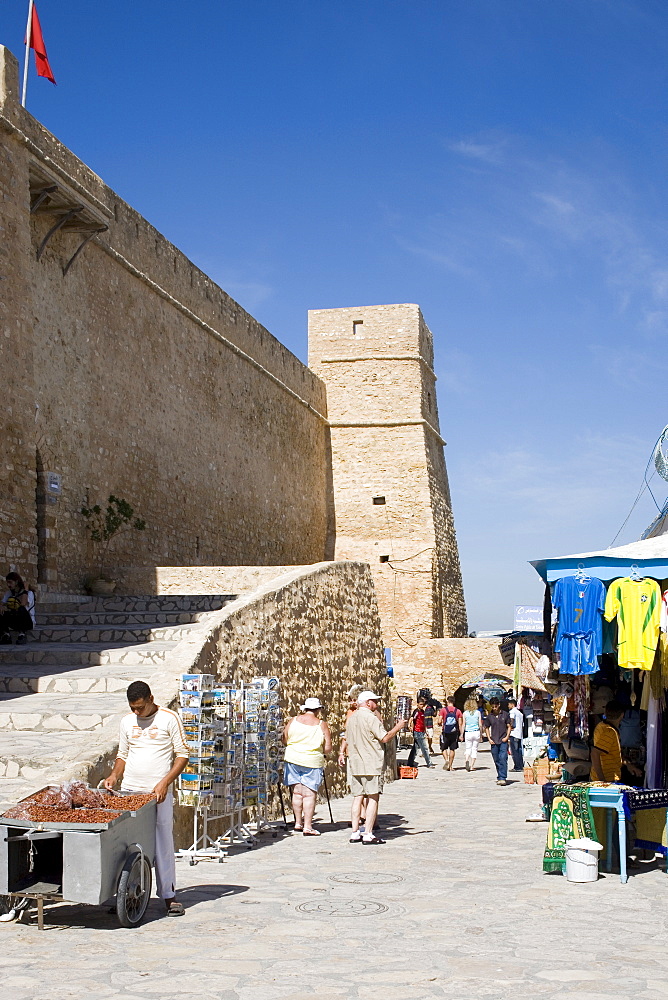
(500, 162)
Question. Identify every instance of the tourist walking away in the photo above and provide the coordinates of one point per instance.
(516, 734)
(472, 719)
(497, 727)
(452, 732)
(152, 752)
(429, 713)
(366, 737)
(419, 728)
(17, 609)
(307, 739)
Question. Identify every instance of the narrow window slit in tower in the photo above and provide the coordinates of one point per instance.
(356, 324)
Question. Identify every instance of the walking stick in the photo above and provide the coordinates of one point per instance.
(280, 797)
(329, 804)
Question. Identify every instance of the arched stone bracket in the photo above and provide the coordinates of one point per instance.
(71, 214)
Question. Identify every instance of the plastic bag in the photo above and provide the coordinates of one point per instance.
(58, 798)
(84, 797)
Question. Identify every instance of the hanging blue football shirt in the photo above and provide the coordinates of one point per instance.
(579, 632)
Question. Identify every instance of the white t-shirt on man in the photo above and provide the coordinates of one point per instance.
(148, 747)
(517, 720)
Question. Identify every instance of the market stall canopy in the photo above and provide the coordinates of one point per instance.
(650, 556)
(487, 679)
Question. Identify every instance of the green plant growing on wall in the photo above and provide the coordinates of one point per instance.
(106, 524)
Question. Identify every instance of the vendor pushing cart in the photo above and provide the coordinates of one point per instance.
(152, 752)
(71, 842)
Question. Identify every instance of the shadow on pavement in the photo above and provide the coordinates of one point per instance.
(193, 894)
(394, 825)
(59, 915)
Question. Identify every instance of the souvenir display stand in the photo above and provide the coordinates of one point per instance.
(234, 735)
(263, 750)
(206, 761)
(229, 802)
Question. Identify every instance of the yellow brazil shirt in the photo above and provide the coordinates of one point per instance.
(606, 740)
(637, 606)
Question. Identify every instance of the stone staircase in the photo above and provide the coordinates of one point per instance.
(71, 677)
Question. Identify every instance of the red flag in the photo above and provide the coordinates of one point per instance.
(37, 43)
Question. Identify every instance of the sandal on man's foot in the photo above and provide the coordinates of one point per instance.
(175, 909)
(372, 840)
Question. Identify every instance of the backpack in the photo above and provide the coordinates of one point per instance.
(450, 720)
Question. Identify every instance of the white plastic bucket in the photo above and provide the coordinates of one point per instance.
(582, 860)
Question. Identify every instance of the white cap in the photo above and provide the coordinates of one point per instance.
(367, 696)
(312, 703)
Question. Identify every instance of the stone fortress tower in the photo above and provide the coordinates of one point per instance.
(391, 500)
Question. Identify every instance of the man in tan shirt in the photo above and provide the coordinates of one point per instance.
(366, 737)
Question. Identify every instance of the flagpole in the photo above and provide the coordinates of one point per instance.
(27, 55)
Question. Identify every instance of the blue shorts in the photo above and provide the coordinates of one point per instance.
(295, 774)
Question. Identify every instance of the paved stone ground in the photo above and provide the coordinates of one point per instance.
(454, 905)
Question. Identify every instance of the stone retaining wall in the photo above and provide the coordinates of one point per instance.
(316, 628)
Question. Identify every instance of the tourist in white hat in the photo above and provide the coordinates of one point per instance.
(366, 737)
(307, 739)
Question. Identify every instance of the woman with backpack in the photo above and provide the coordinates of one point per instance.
(451, 733)
(17, 610)
(472, 731)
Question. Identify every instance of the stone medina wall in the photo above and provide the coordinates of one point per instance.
(18, 473)
(134, 374)
(377, 365)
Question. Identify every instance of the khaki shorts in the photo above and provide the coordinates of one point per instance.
(365, 784)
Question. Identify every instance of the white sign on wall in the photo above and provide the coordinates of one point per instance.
(54, 482)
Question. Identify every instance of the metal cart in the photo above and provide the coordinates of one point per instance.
(81, 862)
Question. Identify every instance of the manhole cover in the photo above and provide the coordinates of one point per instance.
(366, 878)
(342, 907)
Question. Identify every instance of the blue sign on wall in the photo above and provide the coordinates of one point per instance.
(528, 618)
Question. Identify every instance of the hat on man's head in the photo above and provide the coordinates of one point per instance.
(367, 696)
(312, 703)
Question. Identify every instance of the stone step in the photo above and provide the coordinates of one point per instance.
(29, 755)
(164, 602)
(58, 712)
(133, 633)
(83, 654)
(120, 618)
(27, 678)
(49, 607)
